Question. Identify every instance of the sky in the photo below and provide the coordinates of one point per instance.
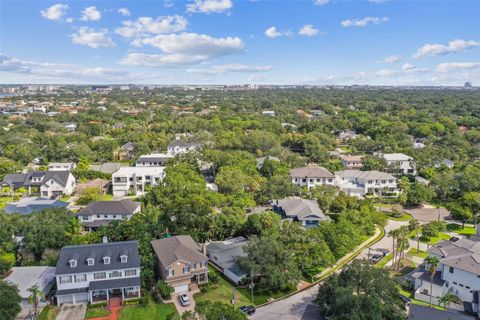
(303, 42)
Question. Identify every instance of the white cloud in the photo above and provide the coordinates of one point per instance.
(94, 39)
(124, 12)
(321, 2)
(55, 12)
(69, 20)
(209, 6)
(391, 59)
(309, 31)
(385, 73)
(144, 26)
(183, 49)
(408, 66)
(457, 66)
(230, 68)
(363, 22)
(91, 14)
(436, 49)
(272, 32)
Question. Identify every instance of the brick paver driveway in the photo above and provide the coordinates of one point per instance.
(181, 309)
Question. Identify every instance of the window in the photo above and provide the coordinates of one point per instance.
(450, 269)
(106, 260)
(73, 263)
(203, 264)
(130, 273)
(90, 261)
(99, 275)
(186, 269)
(80, 278)
(169, 272)
(98, 216)
(115, 274)
(194, 265)
(124, 259)
(65, 279)
(85, 217)
(304, 180)
(105, 216)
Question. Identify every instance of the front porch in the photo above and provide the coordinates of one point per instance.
(104, 295)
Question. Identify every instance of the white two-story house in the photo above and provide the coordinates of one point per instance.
(101, 213)
(312, 176)
(46, 183)
(400, 163)
(361, 183)
(458, 272)
(135, 180)
(179, 146)
(154, 160)
(97, 272)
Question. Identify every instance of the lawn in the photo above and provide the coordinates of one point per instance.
(406, 266)
(415, 301)
(413, 252)
(381, 264)
(261, 297)
(96, 312)
(222, 292)
(404, 217)
(457, 228)
(434, 240)
(150, 311)
(48, 313)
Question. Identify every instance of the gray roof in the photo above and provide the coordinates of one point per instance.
(120, 207)
(463, 254)
(115, 283)
(311, 171)
(107, 167)
(261, 160)
(71, 291)
(29, 205)
(417, 312)
(161, 159)
(182, 144)
(26, 277)
(97, 251)
(129, 146)
(15, 179)
(300, 208)
(228, 252)
(170, 250)
(365, 175)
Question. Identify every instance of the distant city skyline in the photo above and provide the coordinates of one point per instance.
(206, 42)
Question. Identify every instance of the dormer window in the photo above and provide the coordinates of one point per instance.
(90, 261)
(73, 263)
(106, 260)
(123, 258)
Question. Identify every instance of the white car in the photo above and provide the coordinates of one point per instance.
(183, 297)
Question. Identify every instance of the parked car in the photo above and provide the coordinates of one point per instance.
(405, 299)
(376, 257)
(183, 297)
(247, 310)
(453, 239)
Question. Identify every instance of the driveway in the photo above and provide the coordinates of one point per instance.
(428, 214)
(181, 309)
(71, 312)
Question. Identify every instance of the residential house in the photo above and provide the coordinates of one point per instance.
(70, 126)
(347, 135)
(126, 151)
(107, 167)
(61, 166)
(26, 206)
(418, 312)
(180, 262)
(306, 211)
(458, 272)
(269, 113)
(94, 273)
(445, 162)
(101, 213)
(361, 183)
(312, 176)
(179, 146)
(400, 163)
(224, 255)
(261, 160)
(26, 277)
(154, 160)
(47, 183)
(135, 180)
(351, 162)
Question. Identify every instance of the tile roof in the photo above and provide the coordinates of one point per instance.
(365, 175)
(311, 171)
(170, 250)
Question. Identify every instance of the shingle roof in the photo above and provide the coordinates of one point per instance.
(311, 171)
(114, 283)
(25, 179)
(29, 205)
(228, 252)
(300, 208)
(107, 167)
(98, 250)
(121, 207)
(181, 143)
(397, 157)
(463, 254)
(365, 175)
(130, 146)
(170, 250)
(417, 312)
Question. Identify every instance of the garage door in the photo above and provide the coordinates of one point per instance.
(68, 298)
(181, 288)
(81, 298)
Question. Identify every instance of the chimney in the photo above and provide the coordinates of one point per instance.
(105, 239)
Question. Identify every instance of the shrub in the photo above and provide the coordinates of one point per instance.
(164, 289)
(144, 300)
(207, 287)
(97, 305)
(131, 302)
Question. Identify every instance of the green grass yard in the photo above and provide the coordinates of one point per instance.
(434, 240)
(382, 263)
(96, 312)
(404, 217)
(457, 228)
(48, 313)
(222, 292)
(413, 252)
(150, 311)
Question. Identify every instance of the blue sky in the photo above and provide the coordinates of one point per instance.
(237, 42)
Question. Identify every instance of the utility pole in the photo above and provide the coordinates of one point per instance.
(251, 284)
(233, 297)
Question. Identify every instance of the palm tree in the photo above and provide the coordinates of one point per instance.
(447, 299)
(414, 226)
(432, 263)
(35, 295)
(394, 234)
